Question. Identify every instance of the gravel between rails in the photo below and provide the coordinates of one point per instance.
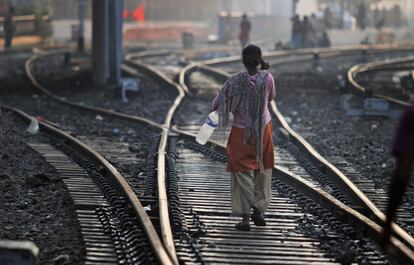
(131, 142)
(35, 202)
(311, 101)
(194, 111)
(74, 83)
(315, 113)
(100, 134)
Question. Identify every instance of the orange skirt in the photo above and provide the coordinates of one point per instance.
(241, 156)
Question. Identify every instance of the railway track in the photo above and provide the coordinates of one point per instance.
(156, 185)
(187, 223)
(205, 206)
(324, 180)
(374, 193)
(199, 123)
(114, 224)
(376, 79)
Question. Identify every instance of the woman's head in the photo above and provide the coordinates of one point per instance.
(252, 57)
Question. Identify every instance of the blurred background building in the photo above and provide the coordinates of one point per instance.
(158, 20)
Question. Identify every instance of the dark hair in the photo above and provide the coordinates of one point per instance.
(252, 56)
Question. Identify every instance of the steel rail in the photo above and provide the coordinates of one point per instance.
(352, 190)
(164, 127)
(115, 177)
(343, 183)
(28, 68)
(165, 224)
(341, 211)
(328, 168)
(311, 51)
(168, 245)
(186, 53)
(144, 54)
(358, 69)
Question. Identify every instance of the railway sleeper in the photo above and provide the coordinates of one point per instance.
(342, 241)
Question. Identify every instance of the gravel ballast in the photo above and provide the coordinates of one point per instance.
(35, 202)
(314, 111)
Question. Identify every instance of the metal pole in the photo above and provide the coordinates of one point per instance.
(81, 30)
(115, 41)
(100, 62)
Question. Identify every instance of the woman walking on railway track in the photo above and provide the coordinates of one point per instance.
(250, 148)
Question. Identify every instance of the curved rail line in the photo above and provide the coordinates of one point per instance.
(329, 168)
(336, 175)
(344, 184)
(162, 193)
(368, 225)
(363, 68)
(188, 54)
(115, 177)
(168, 244)
(28, 67)
(272, 56)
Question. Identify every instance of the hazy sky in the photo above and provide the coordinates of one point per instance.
(306, 7)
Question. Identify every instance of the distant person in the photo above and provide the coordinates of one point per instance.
(396, 16)
(315, 30)
(376, 16)
(361, 17)
(315, 23)
(379, 16)
(324, 41)
(296, 35)
(250, 147)
(245, 28)
(327, 18)
(306, 32)
(8, 28)
(279, 46)
(227, 28)
(403, 150)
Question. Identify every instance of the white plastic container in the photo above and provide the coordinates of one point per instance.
(210, 124)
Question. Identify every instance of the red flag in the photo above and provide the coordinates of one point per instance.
(139, 13)
(125, 14)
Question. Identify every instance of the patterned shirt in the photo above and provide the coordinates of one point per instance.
(239, 117)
